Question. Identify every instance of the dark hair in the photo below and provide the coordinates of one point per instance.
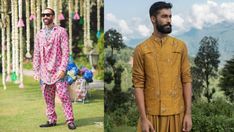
(47, 8)
(158, 6)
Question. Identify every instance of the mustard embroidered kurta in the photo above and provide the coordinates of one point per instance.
(160, 66)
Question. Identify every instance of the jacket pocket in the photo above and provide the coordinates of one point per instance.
(176, 57)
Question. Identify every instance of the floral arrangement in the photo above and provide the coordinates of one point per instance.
(73, 72)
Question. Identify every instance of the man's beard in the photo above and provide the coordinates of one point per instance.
(164, 29)
(49, 21)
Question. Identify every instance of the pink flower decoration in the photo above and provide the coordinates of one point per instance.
(76, 16)
(61, 17)
(32, 17)
(20, 23)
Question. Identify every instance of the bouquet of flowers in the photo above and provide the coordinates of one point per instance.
(86, 74)
(73, 71)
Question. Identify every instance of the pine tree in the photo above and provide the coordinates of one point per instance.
(227, 79)
(207, 61)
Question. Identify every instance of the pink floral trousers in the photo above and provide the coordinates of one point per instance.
(61, 88)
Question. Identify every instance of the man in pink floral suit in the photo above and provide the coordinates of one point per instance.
(50, 60)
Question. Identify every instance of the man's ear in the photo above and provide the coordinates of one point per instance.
(153, 19)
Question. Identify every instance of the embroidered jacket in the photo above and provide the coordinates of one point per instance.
(160, 66)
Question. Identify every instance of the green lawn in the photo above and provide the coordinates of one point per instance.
(124, 129)
(23, 110)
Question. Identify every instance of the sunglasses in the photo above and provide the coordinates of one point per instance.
(46, 14)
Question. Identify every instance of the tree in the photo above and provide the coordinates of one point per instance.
(114, 40)
(113, 71)
(197, 83)
(207, 61)
(227, 79)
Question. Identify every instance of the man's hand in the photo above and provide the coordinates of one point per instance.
(61, 74)
(146, 126)
(187, 123)
(36, 78)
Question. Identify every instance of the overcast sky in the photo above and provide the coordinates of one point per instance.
(131, 17)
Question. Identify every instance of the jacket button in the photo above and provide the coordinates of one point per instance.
(157, 93)
(163, 109)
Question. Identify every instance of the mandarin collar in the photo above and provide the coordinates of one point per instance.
(158, 39)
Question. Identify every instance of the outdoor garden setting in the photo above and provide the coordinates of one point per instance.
(22, 104)
(23, 110)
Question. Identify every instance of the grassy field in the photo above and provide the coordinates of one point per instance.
(124, 129)
(23, 110)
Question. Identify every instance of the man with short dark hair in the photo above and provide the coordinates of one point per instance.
(161, 77)
(49, 63)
